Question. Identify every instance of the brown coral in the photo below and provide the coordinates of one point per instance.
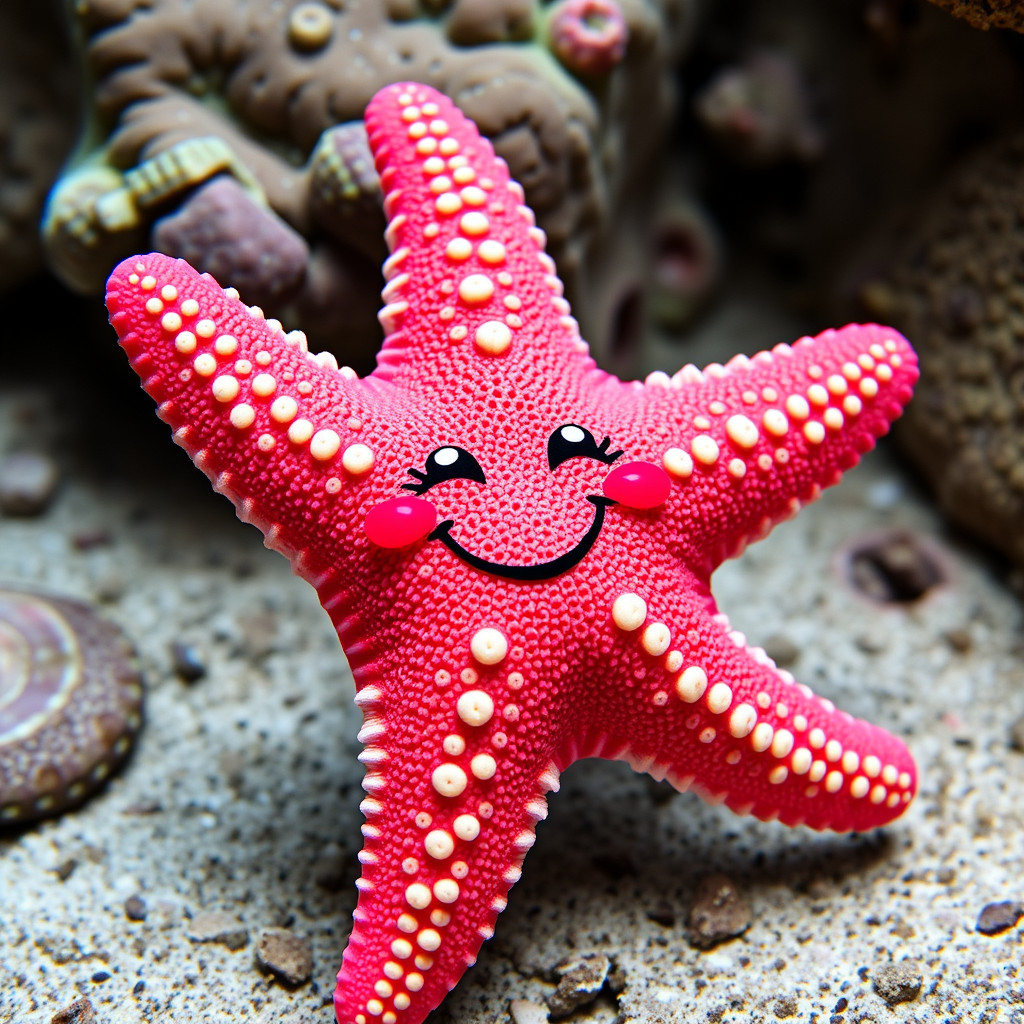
(986, 14)
(960, 295)
(185, 90)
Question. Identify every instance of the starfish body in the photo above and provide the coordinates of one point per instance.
(516, 547)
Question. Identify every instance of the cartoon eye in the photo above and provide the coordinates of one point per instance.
(447, 463)
(571, 441)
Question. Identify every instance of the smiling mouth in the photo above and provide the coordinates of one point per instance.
(540, 571)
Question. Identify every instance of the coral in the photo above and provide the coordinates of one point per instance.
(986, 14)
(272, 94)
(959, 294)
(759, 111)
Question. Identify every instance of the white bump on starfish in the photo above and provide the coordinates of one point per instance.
(466, 827)
(225, 388)
(476, 289)
(439, 844)
(493, 337)
(185, 343)
(475, 707)
(656, 639)
(691, 684)
(300, 431)
(704, 449)
(483, 767)
(719, 698)
(417, 895)
(629, 611)
(205, 365)
(678, 463)
(324, 445)
(489, 646)
(449, 780)
(242, 416)
(357, 459)
(454, 745)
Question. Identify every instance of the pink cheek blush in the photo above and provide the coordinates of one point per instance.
(401, 521)
(638, 485)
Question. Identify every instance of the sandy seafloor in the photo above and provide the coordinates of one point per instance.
(243, 792)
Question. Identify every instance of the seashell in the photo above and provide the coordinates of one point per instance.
(70, 703)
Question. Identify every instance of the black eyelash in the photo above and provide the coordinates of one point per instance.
(561, 450)
(465, 467)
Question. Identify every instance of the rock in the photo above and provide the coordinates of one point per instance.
(580, 981)
(135, 908)
(898, 983)
(522, 1011)
(785, 1006)
(27, 483)
(718, 913)
(996, 918)
(186, 661)
(78, 1012)
(286, 955)
(218, 926)
(1017, 734)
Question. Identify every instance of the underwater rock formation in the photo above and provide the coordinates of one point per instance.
(960, 296)
(575, 96)
(986, 14)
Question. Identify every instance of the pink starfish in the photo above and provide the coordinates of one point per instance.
(516, 547)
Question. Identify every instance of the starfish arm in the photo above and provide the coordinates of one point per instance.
(469, 286)
(271, 425)
(455, 784)
(750, 442)
(717, 716)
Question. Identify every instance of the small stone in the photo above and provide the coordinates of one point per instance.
(78, 1012)
(1017, 735)
(100, 976)
(65, 868)
(996, 918)
(785, 1006)
(718, 913)
(218, 926)
(580, 982)
(187, 663)
(331, 870)
(27, 483)
(286, 955)
(522, 1011)
(898, 983)
(135, 908)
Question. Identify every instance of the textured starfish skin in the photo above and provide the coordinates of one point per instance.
(478, 689)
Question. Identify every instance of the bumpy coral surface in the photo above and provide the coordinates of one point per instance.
(960, 295)
(514, 546)
(574, 95)
(987, 14)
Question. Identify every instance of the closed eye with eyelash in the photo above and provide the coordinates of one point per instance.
(572, 441)
(446, 463)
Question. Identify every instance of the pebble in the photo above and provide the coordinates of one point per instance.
(781, 649)
(78, 1012)
(785, 1006)
(27, 483)
(719, 912)
(135, 908)
(286, 955)
(522, 1011)
(898, 983)
(1017, 735)
(894, 567)
(186, 661)
(580, 982)
(218, 926)
(996, 918)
